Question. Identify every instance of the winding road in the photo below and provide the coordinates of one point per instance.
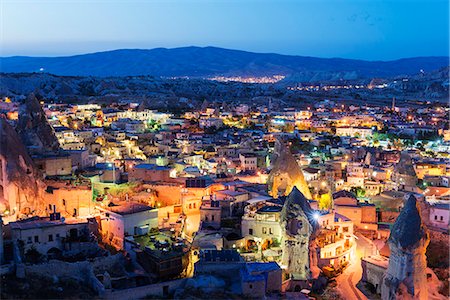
(348, 280)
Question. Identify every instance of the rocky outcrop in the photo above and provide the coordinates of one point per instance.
(404, 173)
(33, 128)
(408, 243)
(286, 173)
(299, 229)
(21, 187)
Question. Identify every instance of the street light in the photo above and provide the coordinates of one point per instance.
(316, 216)
(114, 171)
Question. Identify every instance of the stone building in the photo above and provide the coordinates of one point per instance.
(408, 243)
(210, 214)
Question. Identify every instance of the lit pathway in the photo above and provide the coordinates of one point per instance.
(347, 281)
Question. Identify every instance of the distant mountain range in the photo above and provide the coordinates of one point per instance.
(212, 61)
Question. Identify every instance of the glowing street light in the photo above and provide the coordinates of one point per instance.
(316, 216)
(113, 166)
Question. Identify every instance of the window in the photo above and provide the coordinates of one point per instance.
(50, 237)
(435, 217)
(442, 218)
(270, 231)
(345, 229)
(57, 235)
(29, 241)
(36, 239)
(250, 286)
(250, 231)
(212, 218)
(264, 230)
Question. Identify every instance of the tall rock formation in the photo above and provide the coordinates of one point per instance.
(299, 229)
(33, 127)
(286, 173)
(404, 174)
(21, 185)
(408, 242)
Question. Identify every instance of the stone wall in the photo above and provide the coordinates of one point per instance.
(372, 274)
(80, 271)
(158, 290)
(254, 289)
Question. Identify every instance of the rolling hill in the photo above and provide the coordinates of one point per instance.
(213, 61)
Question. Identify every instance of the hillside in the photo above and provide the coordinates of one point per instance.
(212, 61)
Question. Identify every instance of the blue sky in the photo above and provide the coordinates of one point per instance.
(365, 29)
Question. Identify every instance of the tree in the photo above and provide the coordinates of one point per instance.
(325, 201)
(358, 191)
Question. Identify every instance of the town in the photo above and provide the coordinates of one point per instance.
(254, 199)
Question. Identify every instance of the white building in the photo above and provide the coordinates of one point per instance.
(440, 215)
(262, 221)
(361, 132)
(335, 240)
(47, 235)
(209, 122)
(126, 219)
(249, 162)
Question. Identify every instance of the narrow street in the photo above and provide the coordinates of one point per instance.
(348, 280)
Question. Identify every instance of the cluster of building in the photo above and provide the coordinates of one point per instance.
(277, 199)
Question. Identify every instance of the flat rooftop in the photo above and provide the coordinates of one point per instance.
(44, 222)
(377, 260)
(127, 208)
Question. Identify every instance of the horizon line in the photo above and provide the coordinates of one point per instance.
(210, 46)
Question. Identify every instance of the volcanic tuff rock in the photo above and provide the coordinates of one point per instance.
(408, 243)
(299, 229)
(404, 173)
(21, 187)
(405, 165)
(33, 127)
(286, 173)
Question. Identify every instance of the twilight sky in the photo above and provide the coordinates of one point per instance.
(365, 29)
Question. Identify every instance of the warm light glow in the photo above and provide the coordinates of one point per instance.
(316, 216)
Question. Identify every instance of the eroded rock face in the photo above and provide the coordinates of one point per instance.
(33, 127)
(404, 173)
(21, 187)
(299, 228)
(286, 174)
(408, 243)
